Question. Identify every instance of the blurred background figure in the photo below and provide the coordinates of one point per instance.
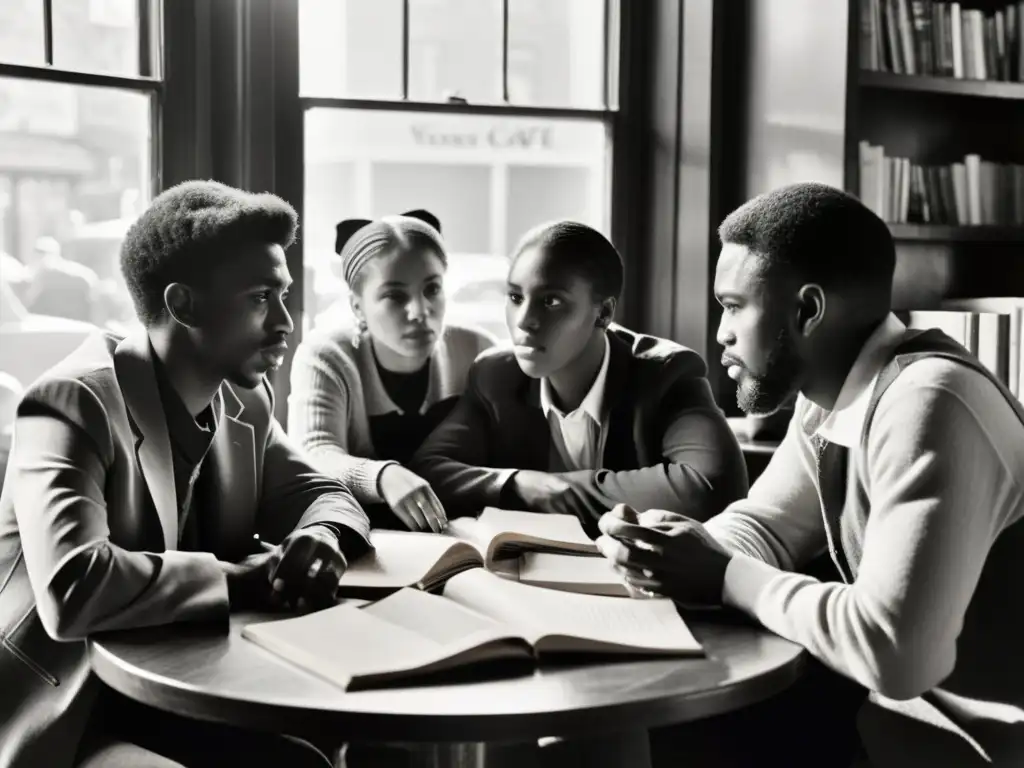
(57, 286)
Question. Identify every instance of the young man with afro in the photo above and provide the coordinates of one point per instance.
(141, 471)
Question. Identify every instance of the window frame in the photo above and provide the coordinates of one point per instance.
(149, 28)
(291, 106)
(605, 115)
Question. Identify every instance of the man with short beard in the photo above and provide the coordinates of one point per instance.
(903, 461)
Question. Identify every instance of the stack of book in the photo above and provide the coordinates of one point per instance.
(990, 328)
(919, 37)
(473, 596)
(971, 192)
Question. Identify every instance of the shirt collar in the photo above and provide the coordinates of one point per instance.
(844, 424)
(184, 431)
(593, 403)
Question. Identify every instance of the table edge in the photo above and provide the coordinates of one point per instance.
(668, 709)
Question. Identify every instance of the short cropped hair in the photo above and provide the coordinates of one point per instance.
(191, 226)
(581, 249)
(823, 234)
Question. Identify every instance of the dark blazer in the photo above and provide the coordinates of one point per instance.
(668, 447)
(89, 528)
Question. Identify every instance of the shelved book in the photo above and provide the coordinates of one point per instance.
(413, 636)
(919, 37)
(990, 328)
(969, 193)
(549, 551)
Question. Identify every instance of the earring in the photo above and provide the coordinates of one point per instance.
(361, 328)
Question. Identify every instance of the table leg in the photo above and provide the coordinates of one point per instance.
(621, 749)
(474, 755)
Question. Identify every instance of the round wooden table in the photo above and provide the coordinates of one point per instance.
(210, 675)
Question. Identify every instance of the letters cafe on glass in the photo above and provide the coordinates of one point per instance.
(488, 178)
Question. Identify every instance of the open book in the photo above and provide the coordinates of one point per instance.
(542, 550)
(479, 617)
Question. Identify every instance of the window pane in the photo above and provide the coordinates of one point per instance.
(542, 193)
(351, 48)
(96, 36)
(464, 208)
(556, 53)
(455, 49)
(21, 32)
(487, 178)
(74, 172)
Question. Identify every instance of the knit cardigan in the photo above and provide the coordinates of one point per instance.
(336, 389)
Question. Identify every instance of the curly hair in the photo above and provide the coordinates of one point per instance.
(582, 250)
(190, 226)
(823, 234)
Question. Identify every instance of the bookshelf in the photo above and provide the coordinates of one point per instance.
(945, 233)
(934, 143)
(986, 89)
(945, 158)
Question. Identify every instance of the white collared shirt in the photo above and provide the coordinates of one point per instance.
(844, 424)
(579, 436)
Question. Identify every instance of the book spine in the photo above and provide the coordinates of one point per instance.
(960, 192)
(972, 164)
(957, 39)
(922, 21)
(892, 37)
(991, 49)
(906, 30)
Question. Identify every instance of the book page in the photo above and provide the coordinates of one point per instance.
(510, 532)
(404, 558)
(558, 621)
(589, 575)
(468, 529)
(408, 632)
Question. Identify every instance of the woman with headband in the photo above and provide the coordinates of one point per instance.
(364, 396)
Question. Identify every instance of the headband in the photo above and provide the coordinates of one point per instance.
(353, 260)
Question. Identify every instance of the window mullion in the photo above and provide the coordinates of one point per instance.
(48, 31)
(144, 24)
(405, 50)
(504, 51)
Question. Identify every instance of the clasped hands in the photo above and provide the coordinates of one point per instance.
(664, 553)
(302, 571)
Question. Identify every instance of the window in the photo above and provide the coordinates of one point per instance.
(78, 89)
(492, 114)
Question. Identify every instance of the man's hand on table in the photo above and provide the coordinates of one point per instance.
(302, 571)
(550, 493)
(665, 553)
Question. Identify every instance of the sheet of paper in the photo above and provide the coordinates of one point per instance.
(564, 528)
(652, 625)
(594, 575)
(442, 621)
(409, 630)
(399, 559)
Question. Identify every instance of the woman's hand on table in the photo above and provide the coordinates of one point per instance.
(664, 553)
(412, 499)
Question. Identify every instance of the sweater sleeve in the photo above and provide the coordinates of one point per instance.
(779, 522)
(941, 490)
(320, 413)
